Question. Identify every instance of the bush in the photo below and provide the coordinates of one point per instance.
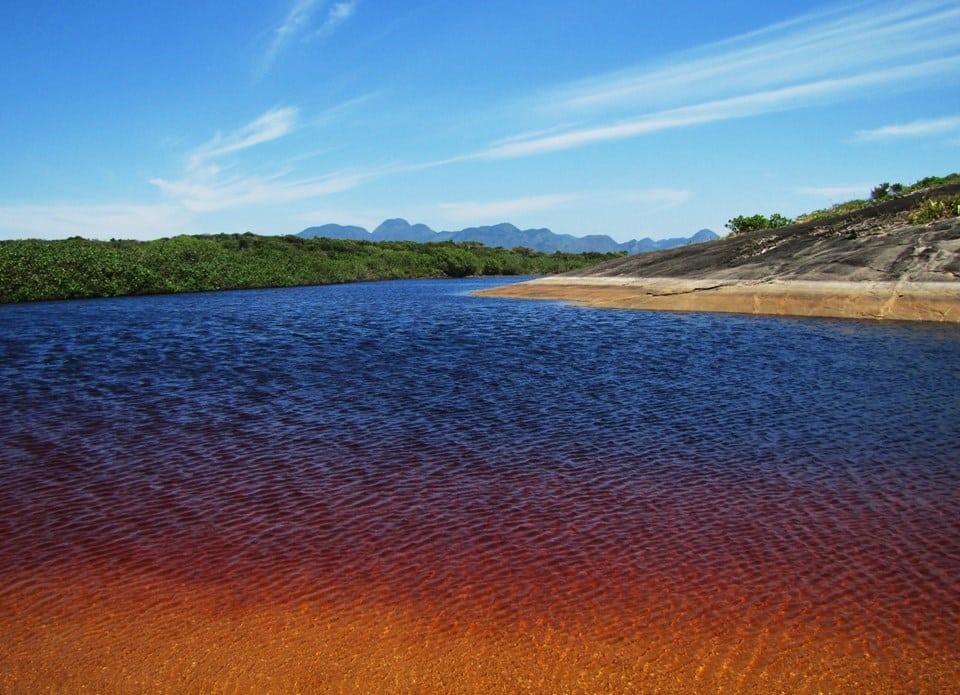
(932, 209)
(741, 224)
(73, 268)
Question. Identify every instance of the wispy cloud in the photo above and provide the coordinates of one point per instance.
(913, 129)
(296, 21)
(92, 221)
(336, 15)
(210, 183)
(305, 21)
(272, 125)
(204, 195)
(202, 188)
(835, 43)
(473, 211)
(338, 111)
(815, 59)
(754, 104)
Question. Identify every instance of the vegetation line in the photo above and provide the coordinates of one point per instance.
(927, 209)
(32, 270)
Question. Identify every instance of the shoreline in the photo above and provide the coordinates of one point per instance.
(873, 300)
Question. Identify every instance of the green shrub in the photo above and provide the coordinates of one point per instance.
(742, 224)
(932, 209)
(32, 270)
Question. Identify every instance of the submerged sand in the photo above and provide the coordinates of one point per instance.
(134, 634)
(900, 301)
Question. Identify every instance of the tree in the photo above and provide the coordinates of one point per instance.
(741, 223)
(880, 192)
(778, 220)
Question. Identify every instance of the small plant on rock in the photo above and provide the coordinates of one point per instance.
(932, 209)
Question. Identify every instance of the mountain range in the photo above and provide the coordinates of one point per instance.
(504, 235)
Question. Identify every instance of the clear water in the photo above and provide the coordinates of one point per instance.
(402, 487)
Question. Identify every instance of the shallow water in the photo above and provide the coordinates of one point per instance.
(401, 487)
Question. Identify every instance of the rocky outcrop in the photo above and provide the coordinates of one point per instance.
(890, 250)
(873, 263)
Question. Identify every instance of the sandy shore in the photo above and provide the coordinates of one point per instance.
(899, 301)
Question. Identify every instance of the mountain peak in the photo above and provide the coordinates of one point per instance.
(398, 229)
(505, 235)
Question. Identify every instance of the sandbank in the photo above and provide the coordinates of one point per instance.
(898, 301)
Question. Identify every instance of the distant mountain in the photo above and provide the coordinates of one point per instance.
(703, 235)
(504, 235)
(400, 230)
(337, 231)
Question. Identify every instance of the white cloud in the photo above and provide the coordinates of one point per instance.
(532, 135)
(299, 22)
(294, 23)
(913, 129)
(815, 59)
(119, 221)
(793, 96)
(272, 125)
(338, 111)
(200, 194)
(208, 185)
(498, 210)
(337, 15)
(836, 43)
(203, 188)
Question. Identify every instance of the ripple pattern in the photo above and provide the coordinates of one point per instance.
(403, 488)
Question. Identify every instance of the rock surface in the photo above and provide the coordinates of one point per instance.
(873, 263)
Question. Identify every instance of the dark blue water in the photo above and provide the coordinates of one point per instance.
(422, 363)
(401, 440)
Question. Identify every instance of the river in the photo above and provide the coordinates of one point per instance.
(400, 487)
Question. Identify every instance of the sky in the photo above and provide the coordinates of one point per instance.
(632, 119)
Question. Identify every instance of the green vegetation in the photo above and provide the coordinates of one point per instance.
(886, 190)
(75, 268)
(880, 193)
(926, 210)
(937, 208)
(741, 224)
(838, 209)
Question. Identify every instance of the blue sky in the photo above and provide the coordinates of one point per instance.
(150, 119)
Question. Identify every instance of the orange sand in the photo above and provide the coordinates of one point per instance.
(123, 633)
(860, 300)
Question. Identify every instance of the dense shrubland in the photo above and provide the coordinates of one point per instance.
(927, 209)
(76, 268)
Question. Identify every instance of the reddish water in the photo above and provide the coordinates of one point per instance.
(415, 553)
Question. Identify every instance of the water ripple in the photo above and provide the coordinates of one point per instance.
(711, 494)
